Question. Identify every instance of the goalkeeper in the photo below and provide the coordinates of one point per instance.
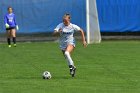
(11, 26)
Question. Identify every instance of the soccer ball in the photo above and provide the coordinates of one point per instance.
(46, 75)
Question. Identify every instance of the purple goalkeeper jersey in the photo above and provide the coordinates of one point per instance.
(10, 20)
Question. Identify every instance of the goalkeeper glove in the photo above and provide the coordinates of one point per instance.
(17, 27)
(6, 25)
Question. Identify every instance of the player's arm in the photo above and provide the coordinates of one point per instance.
(57, 30)
(83, 37)
(6, 23)
(16, 23)
(77, 28)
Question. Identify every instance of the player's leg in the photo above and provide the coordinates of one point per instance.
(8, 32)
(67, 54)
(13, 32)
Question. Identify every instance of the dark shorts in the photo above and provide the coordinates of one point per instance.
(10, 28)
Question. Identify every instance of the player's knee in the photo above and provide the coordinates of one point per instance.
(66, 53)
(13, 35)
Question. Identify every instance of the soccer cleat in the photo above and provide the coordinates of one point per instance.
(15, 45)
(72, 71)
(9, 46)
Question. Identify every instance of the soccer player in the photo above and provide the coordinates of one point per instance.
(11, 26)
(67, 42)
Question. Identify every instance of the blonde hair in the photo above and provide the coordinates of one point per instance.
(67, 15)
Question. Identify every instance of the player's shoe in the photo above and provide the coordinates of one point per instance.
(72, 71)
(9, 46)
(15, 45)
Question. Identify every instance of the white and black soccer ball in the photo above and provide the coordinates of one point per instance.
(46, 75)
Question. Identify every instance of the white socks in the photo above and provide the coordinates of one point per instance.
(69, 59)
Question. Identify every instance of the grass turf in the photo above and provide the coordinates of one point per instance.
(109, 67)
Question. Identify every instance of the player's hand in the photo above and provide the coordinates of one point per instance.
(56, 33)
(6, 25)
(84, 44)
(17, 27)
(60, 30)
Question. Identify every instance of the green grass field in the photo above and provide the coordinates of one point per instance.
(109, 67)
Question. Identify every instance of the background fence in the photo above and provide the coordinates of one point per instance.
(42, 16)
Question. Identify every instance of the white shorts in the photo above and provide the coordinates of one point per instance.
(64, 45)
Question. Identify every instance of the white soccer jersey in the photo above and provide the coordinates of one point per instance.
(66, 36)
